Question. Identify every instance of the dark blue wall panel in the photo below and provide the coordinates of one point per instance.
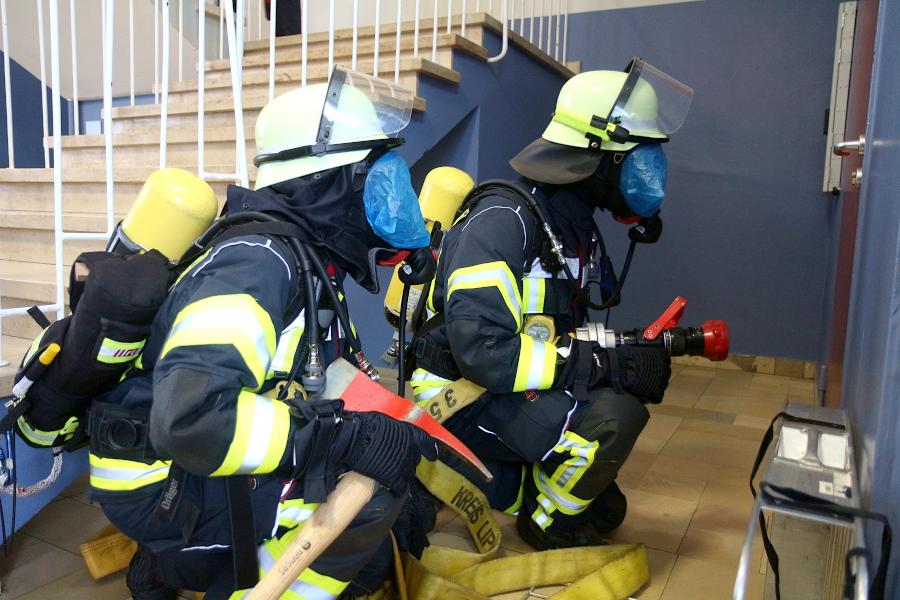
(747, 230)
(28, 128)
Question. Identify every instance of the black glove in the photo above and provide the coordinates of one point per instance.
(387, 450)
(647, 231)
(417, 517)
(418, 267)
(642, 371)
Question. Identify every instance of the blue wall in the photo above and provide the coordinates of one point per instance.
(747, 229)
(28, 129)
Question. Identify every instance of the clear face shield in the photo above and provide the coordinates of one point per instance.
(650, 102)
(360, 113)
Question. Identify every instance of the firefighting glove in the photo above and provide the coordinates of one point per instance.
(647, 231)
(417, 517)
(418, 267)
(387, 450)
(638, 370)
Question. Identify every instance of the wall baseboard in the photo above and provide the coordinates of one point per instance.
(768, 365)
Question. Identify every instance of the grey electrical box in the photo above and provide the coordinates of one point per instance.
(810, 455)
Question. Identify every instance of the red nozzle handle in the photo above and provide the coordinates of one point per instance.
(715, 339)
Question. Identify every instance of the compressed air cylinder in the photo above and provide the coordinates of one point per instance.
(442, 193)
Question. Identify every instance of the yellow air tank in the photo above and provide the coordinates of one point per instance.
(171, 211)
(442, 194)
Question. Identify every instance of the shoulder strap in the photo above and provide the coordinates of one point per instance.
(516, 194)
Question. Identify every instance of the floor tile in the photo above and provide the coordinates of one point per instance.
(660, 564)
(444, 515)
(754, 422)
(724, 429)
(690, 413)
(697, 372)
(700, 470)
(66, 523)
(655, 520)
(680, 397)
(635, 468)
(672, 484)
(78, 489)
(741, 405)
(709, 447)
(720, 547)
(693, 579)
(441, 538)
(33, 564)
(656, 433)
(724, 508)
(80, 585)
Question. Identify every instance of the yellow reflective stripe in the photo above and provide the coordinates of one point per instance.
(114, 352)
(310, 585)
(534, 291)
(286, 350)
(191, 266)
(537, 364)
(493, 274)
(327, 584)
(582, 454)
(260, 436)
(426, 385)
(233, 319)
(514, 509)
(292, 513)
(542, 519)
(34, 435)
(117, 475)
(556, 498)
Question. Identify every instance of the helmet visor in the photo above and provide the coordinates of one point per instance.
(359, 107)
(645, 87)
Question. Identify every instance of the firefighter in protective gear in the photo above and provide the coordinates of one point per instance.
(206, 452)
(558, 418)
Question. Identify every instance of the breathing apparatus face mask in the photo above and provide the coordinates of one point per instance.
(391, 205)
(630, 185)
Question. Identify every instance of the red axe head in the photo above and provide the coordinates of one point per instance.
(361, 394)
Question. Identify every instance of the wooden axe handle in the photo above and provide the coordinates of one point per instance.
(327, 522)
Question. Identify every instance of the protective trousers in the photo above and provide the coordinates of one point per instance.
(200, 558)
(551, 456)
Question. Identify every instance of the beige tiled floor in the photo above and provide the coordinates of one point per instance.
(686, 483)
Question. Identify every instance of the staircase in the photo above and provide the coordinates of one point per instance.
(26, 195)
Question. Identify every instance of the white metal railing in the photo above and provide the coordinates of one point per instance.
(371, 25)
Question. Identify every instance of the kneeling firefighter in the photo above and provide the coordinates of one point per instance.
(554, 419)
(206, 453)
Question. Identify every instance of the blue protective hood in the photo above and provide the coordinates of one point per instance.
(642, 181)
(391, 205)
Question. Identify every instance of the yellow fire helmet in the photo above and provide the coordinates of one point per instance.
(324, 126)
(171, 211)
(604, 111)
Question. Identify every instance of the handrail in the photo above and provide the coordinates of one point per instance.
(505, 43)
(164, 100)
(40, 17)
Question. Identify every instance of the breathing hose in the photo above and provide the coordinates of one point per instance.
(401, 332)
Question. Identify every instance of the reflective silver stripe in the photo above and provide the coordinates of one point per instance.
(36, 435)
(548, 491)
(287, 345)
(260, 434)
(532, 287)
(488, 277)
(126, 474)
(536, 368)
